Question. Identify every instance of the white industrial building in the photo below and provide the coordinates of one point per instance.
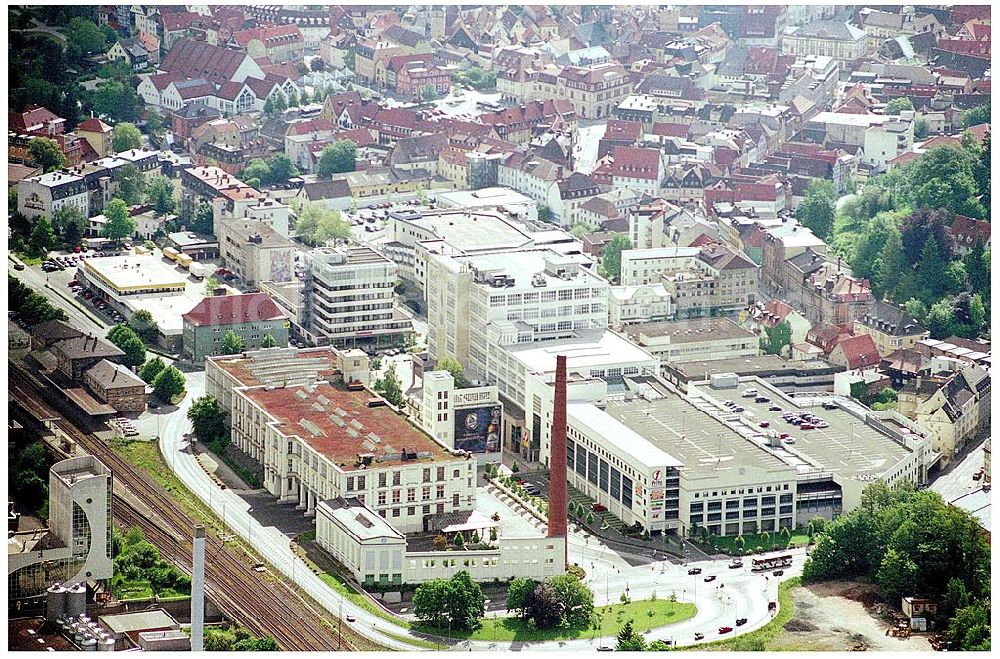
(76, 547)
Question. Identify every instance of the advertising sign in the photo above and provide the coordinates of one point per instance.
(477, 429)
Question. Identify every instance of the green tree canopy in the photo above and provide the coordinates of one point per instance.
(47, 154)
(944, 177)
(976, 116)
(629, 640)
(232, 343)
(457, 602)
(208, 419)
(611, 256)
(453, 366)
(269, 341)
(576, 598)
(168, 384)
(897, 105)
(204, 219)
(43, 238)
(160, 193)
(317, 225)
(69, 224)
(115, 100)
(143, 323)
(120, 224)
(280, 169)
(339, 157)
(151, 369)
(390, 386)
(126, 137)
(816, 212)
(131, 185)
(518, 592)
(776, 338)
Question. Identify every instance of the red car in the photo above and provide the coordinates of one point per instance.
(76, 249)
(784, 435)
(725, 630)
(598, 508)
(807, 426)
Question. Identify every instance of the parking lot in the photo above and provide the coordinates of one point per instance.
(368, 224)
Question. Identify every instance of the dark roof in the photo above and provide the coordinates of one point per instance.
(54, 330)
(402, 36)
(233, 309)
(890, 319)
(197, 59)
(114, 376)
(327, 189)
(83, 347)
(418, 149)
(576, 182)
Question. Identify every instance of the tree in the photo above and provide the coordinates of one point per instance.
(776, 338)
(459, 540)
(457, 602)
(871, 242)
(956, 597)
(168, 384)
(891, 263)
(144, 325)
(131, 184)
(126, 137)
(970, 628)
(269, 341)
(232, 343)
(981, 169)
(339, 157)
(544, 213)
(390, 387)
(47, 154)
(120, 224)
(611, 256)
(921, 129)
(944, 177)
(930, 269)
(258, 169)
(69, 224)
(816, 212)
(280, 169)
(976, 116)
(428, 93)
(440, 542)
(576, 599)
(208, 419)
(269, 106)
(84, 37)
(151, 369)
(629, 640)
(293, 99)
(160, 193)
(257, 644)
(452, 365)
(280, 102)
(897, 105)
(42, 237)
(918, 226)
(977, 268)
(917, 309)
(129, 342)
(154, 123)
(543, 606)
(115, 100)
(317, 225)
(204, 219)
(518, 593)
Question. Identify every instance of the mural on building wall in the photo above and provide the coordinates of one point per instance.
(477, 430)
(281, 269)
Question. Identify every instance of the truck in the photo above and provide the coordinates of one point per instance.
(184, 260)
(199, 270)
(170, 253)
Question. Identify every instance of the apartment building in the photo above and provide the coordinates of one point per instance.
(255, 252)
(306, 417)
(891, 327)
(348, 299)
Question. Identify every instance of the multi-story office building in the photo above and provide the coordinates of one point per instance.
(348, 299)
(508, 298)
(307, 418)
(252, 317)
(702, 338)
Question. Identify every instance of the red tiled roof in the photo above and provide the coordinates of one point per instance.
(860, 351)
(667, 129)
(777, 311)
(162, 80)
(33, 116)
(397, 117)
(198, 59)
(233, 309)
(270, 36)
(961, 47)
(629, 130)
(312, 125)
(966, 231)
(634, 162)
(93, 125)
(178, 20)
(397, 62)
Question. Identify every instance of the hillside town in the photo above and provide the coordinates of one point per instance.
(495, 327)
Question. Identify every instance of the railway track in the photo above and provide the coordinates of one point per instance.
(265, 606)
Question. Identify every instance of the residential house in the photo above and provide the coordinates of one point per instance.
(956, 410)
(857, 353)
(278, 43)
(77, 355)
(891, 327)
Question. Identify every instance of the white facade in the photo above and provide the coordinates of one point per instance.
(641, 267)
(639, 304)
(45, 194)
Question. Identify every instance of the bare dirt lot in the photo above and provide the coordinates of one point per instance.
(831, 617)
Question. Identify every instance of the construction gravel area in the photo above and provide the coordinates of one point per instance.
(831, 617)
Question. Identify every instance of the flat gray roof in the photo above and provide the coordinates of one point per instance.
(471, 231)
(702, 369)
(690, 331)
(704, 445)
(849, 447)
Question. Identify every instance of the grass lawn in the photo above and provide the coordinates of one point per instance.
(28, 260)
(612, 618)
(133, 590)
(758, 641)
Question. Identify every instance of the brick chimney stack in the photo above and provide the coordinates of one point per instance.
(557, 461)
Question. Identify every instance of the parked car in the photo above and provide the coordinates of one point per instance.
(784, 435)
(735, 564)
(698, 636)
(694, 570)
(710, 578)
(741, 621)
(778, 573)
(725, 630)
(807, 426)
(829, 405)
(598, 508)
(605, 648)
(762, 399)
(774, 408)
(764, 424)
(822, 424)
